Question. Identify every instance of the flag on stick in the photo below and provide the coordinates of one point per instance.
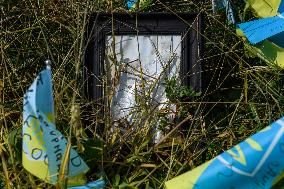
(43, 144)
(257, 162)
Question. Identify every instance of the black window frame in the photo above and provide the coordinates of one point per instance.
(100, 25)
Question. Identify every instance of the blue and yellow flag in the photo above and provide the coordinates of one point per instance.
(257, 162)
(43, 145)
(266, 35)
(131, 3)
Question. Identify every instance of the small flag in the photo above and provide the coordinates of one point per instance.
(226, 5)
(130, 3)
(254, 163)
(43, 145)
(271, 24)
(133, 4)
(266, 35)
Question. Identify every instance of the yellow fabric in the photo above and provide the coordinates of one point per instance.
(188, 179)
(38, 168)
(265, 8)
(269, 52)
(77, 180)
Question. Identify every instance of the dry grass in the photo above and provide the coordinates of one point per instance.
(242, 94)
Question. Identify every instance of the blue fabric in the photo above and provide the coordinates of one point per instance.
(99, 184)
(281, 7)
(130, 3)
(261, 29)
(42, 143)
(249, 164)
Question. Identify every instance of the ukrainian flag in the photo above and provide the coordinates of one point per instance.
(256, 163)
(267, 34)
(43, 145)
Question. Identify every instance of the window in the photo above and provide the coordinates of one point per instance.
(129, 57)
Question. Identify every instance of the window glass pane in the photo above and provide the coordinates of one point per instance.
(139, 72)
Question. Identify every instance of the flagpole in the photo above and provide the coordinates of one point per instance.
(48, 64)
